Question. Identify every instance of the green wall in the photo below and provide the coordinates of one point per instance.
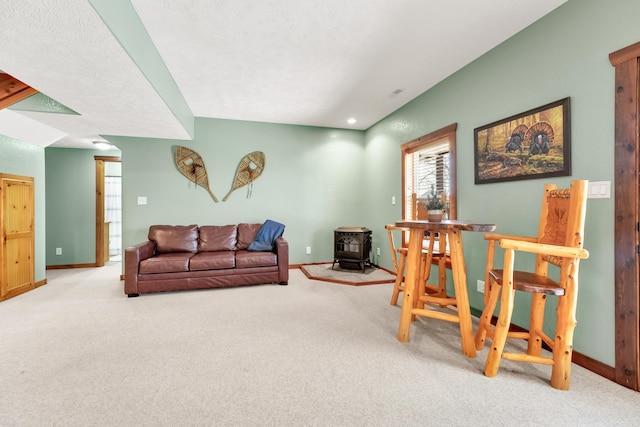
(312, 182)
(19, 158)
(71, 204)
(565, 54)
(303, 185)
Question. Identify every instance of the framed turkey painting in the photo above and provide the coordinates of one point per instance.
(529, 145)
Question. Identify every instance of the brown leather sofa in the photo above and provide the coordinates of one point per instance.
(185, 257)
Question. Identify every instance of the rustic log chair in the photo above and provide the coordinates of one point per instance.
(442, 258)
(430, 255)
(560, 243)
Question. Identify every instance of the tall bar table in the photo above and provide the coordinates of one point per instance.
(453, 229)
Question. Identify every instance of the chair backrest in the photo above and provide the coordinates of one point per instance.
(392, 245)
(418, 207)
(562, 217)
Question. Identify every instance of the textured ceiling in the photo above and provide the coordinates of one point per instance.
(311, 62)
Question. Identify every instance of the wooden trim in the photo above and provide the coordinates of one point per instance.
(99, 213)
(17, 177)
(17, 291)
(100, 160)
(115, 159)
(297, 266)
(448, 132)
(625, 54)
(626, 218)
(121, 277)
(411, 146)
(342, 282)
(453, 205)
(64, 266)
(595, 366)
(41, 283)
(13, 90)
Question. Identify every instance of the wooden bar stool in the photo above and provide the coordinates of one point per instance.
(431, 255)
(437, 254)
(559, 243)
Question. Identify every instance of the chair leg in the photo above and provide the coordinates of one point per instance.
(562, 352)
(536, 321)
(491, 249)
(504, 317)
(397, 287)
(485, 319)
(423, 276)
(563, 340)
(442, 276)
(425, 272)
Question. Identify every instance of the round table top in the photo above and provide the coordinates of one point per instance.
(446, 224)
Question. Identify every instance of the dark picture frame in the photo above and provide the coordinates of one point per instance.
(530, 145)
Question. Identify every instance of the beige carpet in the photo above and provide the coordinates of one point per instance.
(335, 274)
(78, 352)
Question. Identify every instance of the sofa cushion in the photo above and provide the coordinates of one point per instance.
(166, 263)
(212, 260)
(218, 238)
(266, 237)
(174, 238)
(246, 259)
(247, 234)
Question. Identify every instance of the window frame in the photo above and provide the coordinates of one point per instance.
(448, 133)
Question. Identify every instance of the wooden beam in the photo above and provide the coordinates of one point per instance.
(13, 90)
(625, 54)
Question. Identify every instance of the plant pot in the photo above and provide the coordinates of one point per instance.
(434, 215)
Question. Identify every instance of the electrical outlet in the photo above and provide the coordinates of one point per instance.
(393, 200)
(480, 285)
(308, 250)
(58, 251)
(378, 251)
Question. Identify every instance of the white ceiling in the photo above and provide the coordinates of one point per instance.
(306, 62)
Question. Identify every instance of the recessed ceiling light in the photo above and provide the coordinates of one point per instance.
(351, 121)
(103, 145)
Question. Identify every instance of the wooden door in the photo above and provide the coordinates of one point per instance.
(627, 215)
(16, 225)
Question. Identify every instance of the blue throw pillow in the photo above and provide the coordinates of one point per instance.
(266, 237)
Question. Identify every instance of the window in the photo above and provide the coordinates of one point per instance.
(429, 161)
(113, 213)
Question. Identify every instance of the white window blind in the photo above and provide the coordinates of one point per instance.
(427, 166)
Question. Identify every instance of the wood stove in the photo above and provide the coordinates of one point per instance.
(352, 246)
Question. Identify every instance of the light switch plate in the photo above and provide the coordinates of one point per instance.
(599, 190)
(142, 200)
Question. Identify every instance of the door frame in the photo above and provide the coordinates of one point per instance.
(627, 221)
(100, 160)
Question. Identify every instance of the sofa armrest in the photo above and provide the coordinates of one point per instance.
(132, 257)
(282, 251)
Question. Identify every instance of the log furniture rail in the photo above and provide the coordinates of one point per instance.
(431, 255)
(412, 306)
(559, 243)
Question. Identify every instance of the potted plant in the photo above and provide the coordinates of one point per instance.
(434, 204)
